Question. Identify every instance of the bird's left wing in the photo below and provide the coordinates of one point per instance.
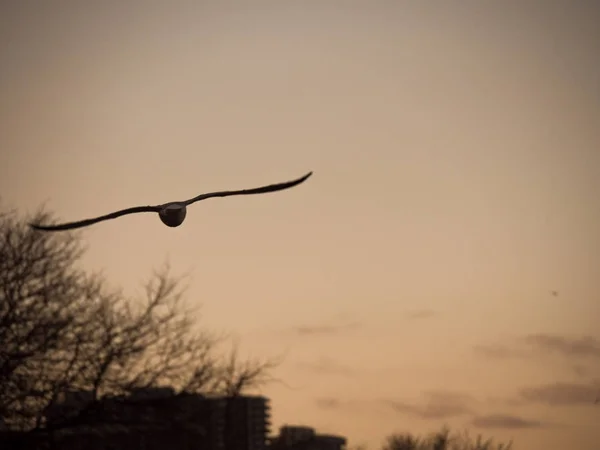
(259, 190)
(86, 222)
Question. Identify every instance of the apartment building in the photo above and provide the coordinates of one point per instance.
(149, 416)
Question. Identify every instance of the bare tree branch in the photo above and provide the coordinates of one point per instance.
(65, 330)
(442, 440)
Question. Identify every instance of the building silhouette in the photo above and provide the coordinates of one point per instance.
(306, 438)
(158, 419)
(290, 435)
(248, 423)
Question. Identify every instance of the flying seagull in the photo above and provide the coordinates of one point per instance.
(172, 214)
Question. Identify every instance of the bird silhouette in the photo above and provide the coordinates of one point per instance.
(172, 214)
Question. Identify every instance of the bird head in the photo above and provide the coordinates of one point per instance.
(173, 214)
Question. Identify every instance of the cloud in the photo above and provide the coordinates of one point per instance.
(580, 370)
(438, 405)
(497, 351)
(421, 314)
(560, 394)
(327, 366)
(585, 346)
(357, 406)
(324, 329)
(328, 403)
(505, 421)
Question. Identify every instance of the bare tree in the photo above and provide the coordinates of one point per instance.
(464, 441)
(62, 329)
(42, 296)
(403, 441)
(442, 440)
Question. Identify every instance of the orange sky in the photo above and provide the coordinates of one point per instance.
(456, 179)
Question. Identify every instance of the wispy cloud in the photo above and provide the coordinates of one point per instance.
(349, 405)
(505, 421)
(584, 346)
(580, 370)
(421, 314)
(497, 351)
(307, 330)
(560, 394)
(327, 366)
(328, 403)
(577, 354)
(437, 405)
(581, 347)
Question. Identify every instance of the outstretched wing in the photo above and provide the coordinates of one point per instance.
(259, 190)
(86, 222)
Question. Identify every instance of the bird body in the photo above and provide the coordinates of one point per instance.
(172, 214)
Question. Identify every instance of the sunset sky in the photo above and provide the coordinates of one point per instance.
(456, 155)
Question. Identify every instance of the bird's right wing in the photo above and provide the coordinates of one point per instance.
(86, 222)
(258, 190)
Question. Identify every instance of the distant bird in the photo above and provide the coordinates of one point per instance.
(172, 214)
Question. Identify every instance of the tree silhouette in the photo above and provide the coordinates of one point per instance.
(63, 329)
(403, 441)
(442, 440)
